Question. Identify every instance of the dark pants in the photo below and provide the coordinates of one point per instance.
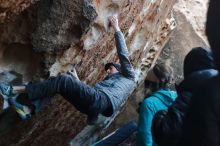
(85, 98)
(118, 136)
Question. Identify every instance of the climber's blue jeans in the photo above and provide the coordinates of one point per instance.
(85, 98)
(118, 136)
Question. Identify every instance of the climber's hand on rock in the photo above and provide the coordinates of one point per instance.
(114, 22)
(73, 73)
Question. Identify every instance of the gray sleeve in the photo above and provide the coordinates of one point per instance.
(126, 67)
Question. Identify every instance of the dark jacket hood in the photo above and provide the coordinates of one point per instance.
(198, 59)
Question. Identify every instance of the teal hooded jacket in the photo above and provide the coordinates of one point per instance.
(159, 100)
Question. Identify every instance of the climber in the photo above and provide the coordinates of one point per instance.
(104, 97)
(159, 98)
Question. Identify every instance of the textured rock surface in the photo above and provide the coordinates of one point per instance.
(8, 8)
(61, 23)
(77, 32)
(195, 12)
(15, 44)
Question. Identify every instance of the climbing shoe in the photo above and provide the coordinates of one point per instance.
(5, 89)
(23, 112)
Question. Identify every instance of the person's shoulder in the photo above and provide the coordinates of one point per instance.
(147, 104)
(132, 77)
(151, 100)
(169, 92)
(165, 91)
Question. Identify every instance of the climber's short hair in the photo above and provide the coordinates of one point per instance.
(116, 65)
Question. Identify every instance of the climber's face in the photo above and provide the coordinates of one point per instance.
(111, 70)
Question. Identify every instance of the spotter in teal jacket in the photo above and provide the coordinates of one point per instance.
(159, 100)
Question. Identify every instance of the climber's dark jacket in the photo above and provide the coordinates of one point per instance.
(119, 86)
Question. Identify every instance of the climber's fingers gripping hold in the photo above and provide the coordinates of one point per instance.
(114, 22)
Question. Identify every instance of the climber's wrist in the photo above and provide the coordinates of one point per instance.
(117, 29)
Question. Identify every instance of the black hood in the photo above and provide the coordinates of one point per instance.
(198, 59)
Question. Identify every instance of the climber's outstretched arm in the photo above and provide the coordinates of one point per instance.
(122, 50)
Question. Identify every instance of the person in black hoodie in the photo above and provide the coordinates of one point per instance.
(167, 126)
(202, 125)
